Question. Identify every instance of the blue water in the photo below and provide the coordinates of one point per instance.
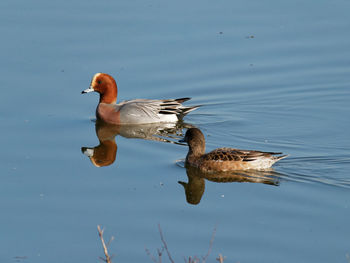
(271, 76)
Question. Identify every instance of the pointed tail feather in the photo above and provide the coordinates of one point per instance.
(186, 110)
(174, 106)
(182, 100)
(281, 157)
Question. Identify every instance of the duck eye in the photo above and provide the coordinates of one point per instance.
(99, 81)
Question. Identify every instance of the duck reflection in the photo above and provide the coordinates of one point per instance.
(105, 153)
(224, 165)
(194, 188)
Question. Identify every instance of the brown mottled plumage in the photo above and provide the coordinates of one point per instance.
(225, 159)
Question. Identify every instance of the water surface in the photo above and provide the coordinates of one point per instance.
(271, 76)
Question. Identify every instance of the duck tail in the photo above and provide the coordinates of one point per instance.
(174, 106)
(182, 100)
(281, 157)
(277, 158)
(186, 110)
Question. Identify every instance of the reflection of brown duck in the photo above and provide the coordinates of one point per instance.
(225, 159)
(195, 186)
(105, 153)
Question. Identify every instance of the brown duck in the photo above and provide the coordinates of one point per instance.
(225, 159)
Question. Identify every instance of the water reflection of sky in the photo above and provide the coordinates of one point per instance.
(271, 76)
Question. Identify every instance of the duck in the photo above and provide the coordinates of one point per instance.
(225, 159)
(137, 111)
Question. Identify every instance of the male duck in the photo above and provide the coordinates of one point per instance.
(136, 111)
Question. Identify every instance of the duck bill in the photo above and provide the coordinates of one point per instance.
(89, 152)
(90, 89)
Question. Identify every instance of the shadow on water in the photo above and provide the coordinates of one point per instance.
(195, 187)
(105, 153)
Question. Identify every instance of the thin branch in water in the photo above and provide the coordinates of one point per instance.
(220, 258)
(105, 250)
(164, 244)
(150, 255)
(192, 260)
(110, 241)
(160, 253)
(210, 246)
(189, 259)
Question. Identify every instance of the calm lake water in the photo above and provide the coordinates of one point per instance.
(271, 76)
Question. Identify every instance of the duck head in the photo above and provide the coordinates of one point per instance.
(106, 86)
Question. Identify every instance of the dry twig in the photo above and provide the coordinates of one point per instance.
(165, 245)
(220, 258)
(210, 246)
(190, 259)
(108, 259)
(160, 253)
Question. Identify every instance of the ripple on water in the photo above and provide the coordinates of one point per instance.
(327, 170)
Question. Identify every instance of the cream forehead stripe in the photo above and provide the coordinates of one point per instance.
(94, 78)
